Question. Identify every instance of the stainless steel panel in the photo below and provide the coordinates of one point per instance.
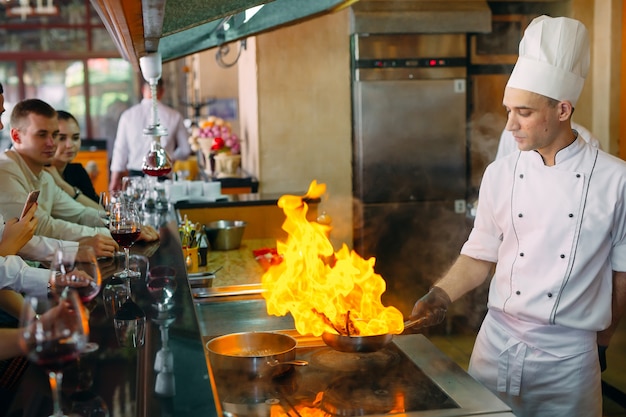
(418, 73)
(423, 16)
(410, 140)
(240, 313)
(410, 46)
(414, 244)
(470, 395)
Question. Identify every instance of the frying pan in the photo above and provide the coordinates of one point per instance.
(253, 354)
(362, 344)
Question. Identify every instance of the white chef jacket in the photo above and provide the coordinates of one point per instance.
(131, 145)
(556, 233)
(508, 145)
(59, 215)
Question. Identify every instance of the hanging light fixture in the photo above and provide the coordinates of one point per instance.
(156, 162)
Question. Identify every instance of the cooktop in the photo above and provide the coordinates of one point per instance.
(336, 384)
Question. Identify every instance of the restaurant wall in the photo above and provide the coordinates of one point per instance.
(300, 98)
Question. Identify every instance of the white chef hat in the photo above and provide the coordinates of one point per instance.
(553, 58)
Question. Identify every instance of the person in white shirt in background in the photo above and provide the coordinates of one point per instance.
(131, 145)
(508, 145)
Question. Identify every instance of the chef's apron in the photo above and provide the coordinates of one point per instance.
(538, 370)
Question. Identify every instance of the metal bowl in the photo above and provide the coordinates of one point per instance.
(225, 234)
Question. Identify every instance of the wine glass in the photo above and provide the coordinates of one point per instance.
(162, 285)
(106, 199)
(76, 268)
(130, 323)
(54, 332)
(125, 228)
(104, 207)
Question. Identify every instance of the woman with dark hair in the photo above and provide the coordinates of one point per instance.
(71, 177)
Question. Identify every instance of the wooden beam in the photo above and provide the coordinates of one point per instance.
(124, 22)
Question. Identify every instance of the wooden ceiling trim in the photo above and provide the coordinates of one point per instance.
(124, 21)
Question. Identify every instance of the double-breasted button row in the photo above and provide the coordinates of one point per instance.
(518, 292)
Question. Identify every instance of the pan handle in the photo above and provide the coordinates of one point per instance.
(413, 323)
(276, 362)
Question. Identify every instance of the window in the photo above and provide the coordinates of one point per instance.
(64, 56)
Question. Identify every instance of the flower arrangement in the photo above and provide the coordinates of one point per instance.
(220, 131)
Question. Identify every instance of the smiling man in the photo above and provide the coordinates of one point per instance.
(34, 132)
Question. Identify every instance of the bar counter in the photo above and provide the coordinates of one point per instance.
(123, 379)
(259, 210)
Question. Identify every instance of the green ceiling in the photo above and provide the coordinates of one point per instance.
(190, 26)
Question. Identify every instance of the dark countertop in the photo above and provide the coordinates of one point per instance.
(124, 378)
(236, 200)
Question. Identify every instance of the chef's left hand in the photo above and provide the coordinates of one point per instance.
(430, 309)
(148, 234)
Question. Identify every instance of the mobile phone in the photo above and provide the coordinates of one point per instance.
(32, 199)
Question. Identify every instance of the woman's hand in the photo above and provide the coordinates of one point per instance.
(58, 179)
(17, 232)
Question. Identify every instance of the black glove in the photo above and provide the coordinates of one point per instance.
(430, 309)
(602, 357)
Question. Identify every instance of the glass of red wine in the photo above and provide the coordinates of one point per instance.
(76, 268)
(125, 228)
(53, 333)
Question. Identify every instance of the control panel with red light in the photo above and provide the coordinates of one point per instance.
(411, 63)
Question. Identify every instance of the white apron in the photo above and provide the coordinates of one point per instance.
(555, 233)
(539, 371)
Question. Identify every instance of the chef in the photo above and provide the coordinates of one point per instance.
(551, 218)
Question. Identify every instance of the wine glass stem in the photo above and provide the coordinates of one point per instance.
(56, 380)
(127, 259)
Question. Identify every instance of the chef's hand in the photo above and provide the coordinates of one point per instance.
(430, 309)
(602, 357)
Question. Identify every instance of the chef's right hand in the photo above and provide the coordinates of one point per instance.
(430, 309)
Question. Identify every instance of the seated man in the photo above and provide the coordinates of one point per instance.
(34, 132)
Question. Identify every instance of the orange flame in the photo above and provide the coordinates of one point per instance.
(325, 291)
(303, 411)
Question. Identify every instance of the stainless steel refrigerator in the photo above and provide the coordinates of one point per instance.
(409, 157)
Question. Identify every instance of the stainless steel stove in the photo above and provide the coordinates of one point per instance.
(410, 376)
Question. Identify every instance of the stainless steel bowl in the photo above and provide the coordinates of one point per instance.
(225, 234)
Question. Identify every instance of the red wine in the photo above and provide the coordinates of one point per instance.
(125, 238)
(88, 292)
(159, 172)
(55, 354)
(162, 289)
